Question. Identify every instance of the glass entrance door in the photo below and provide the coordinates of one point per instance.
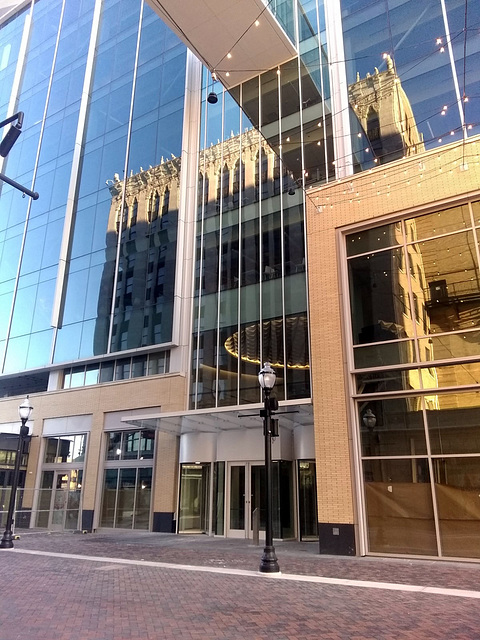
(65, 502)
(246, 493)
(307, 500)
(194, 498)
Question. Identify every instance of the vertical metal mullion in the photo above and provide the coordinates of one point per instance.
(260, 226)
(320, 59)
(282, 246)
(410, 296)
(137, 474)
(125, 178)
(61, 279)
(200, 272)
(219, 270)
(240, 238)
(453, 68)
(436, 520)
(117, 488)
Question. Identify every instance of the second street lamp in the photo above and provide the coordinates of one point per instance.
(24, 411)
(266, 378)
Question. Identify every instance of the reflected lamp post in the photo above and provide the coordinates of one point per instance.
(370, 420)
(24, 411)
(266, 378)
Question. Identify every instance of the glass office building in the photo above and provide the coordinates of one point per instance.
(168, 256)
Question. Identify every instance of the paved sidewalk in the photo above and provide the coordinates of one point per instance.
(294, 557)
(132, 586)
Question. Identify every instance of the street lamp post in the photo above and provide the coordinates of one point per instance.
(24, 411)
(266, 378)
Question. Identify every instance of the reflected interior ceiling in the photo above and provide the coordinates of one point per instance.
(210, 421)
(248, 344)
(215, 29)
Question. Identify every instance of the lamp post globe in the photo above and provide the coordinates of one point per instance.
(24, 412)
(267, 377)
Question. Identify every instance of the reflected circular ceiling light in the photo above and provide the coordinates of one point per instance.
(246, 343)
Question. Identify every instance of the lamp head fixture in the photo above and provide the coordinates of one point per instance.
(25, 409)
(12, 134)
(369, 419)
(267, 377)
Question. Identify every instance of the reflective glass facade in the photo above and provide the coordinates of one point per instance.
(169, 243)
(88, 269)
(414, 305)
(433, 52)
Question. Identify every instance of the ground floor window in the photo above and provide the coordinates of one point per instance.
(307, 500)
(59, 499)
(194, 498)
(126, 498)
(414, 286)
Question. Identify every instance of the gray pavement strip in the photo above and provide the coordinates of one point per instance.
(366, 584)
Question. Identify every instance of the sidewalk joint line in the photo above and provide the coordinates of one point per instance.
(344, 582)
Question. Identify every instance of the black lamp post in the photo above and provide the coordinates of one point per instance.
(24, 411)
(266, 378)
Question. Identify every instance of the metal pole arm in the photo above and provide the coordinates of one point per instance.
(33, 194)
(17, 116)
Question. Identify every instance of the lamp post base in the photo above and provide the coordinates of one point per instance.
(7, 540)
(269, 562)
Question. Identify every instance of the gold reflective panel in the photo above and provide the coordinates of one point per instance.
(438, 223)
(445, 284)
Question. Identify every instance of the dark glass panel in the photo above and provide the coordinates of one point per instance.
(372, 239)
(114, 450)
(384, 354)
(126, 498)
(142, 499)
(109, 498)
(454, 423)
(392, 427)
(147, 444)
(130, 445)
(307, 499)
(379, 298)
(219, 498)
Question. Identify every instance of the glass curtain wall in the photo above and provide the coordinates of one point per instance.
(117, 289)
(51, 71)
(412, 72)
(262, 144)
(414, 291)
(124, 238)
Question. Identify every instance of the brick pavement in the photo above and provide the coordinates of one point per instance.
(56, 597)
(294, 557)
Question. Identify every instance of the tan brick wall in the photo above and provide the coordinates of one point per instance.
(432, 179)
(167, 391)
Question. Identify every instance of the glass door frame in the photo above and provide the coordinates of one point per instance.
(60, 526)
(247, 531)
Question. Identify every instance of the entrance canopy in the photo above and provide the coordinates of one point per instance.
(217, 420)
(237, 40)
